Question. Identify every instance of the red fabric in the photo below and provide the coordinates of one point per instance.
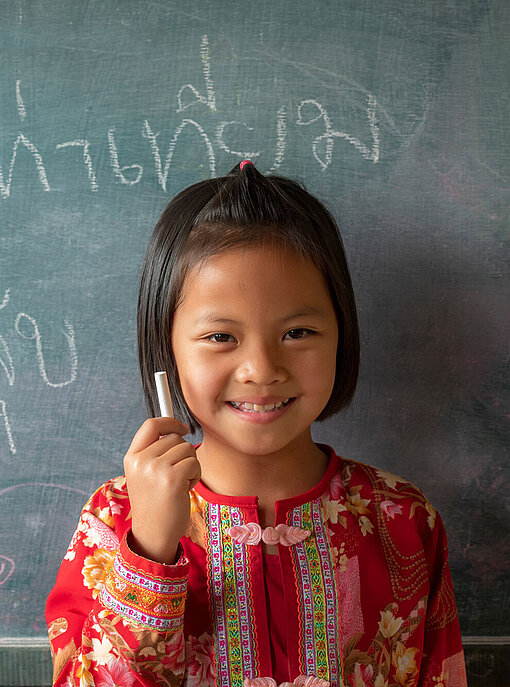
(276, 617)
(383, 568)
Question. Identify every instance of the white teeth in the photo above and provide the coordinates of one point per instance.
(258, 407)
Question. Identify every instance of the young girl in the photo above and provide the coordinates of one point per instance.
(258, 558)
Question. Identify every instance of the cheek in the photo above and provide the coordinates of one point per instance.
(200, 380)
(320, 366)
(320, 376)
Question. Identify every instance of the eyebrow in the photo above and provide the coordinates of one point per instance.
(214, 318)
(306, 312)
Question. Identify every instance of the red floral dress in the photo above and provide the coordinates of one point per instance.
(359, 595)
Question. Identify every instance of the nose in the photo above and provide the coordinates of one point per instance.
(262, 364)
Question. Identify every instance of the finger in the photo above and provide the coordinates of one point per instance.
(158, 448)
(154, 428)
(159, 457)
(188, 471)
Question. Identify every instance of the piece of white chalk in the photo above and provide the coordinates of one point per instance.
(165, 402)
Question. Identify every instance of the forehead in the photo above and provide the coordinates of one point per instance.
(269, 276)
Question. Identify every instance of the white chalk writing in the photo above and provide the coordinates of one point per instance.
(5, 185)
(162, 173)
(281, 138)
(114, 159)
(5, 356)
(3, 413)
(27, 328)
(309, 111)
(86, 158)
(22, 113)
(330, 134)
(221, 143)
(210, 100)
(36, 335)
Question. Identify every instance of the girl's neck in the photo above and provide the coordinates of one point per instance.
(293, 470)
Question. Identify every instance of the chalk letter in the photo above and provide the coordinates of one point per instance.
(162, 174)
(22, 113)
(86, 158)
(3, 413)
(69, 335)
(219, 139)
(114, 159)
(5, 299)
(330, 134)
(5, 188)
(281, 138)
(6, 360)
(210, 101)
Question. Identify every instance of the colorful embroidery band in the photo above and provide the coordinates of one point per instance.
(154, 585)
(231, 598)
(318, 598)
(145, 619)
(154, 603)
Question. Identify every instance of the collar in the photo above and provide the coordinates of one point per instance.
(285, 504)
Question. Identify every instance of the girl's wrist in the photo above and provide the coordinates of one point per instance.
(164, 553)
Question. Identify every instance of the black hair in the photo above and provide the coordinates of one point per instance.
(243, 209)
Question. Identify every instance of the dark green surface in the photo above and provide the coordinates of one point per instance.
(395, 113)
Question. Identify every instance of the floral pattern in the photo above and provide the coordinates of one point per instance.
(388, 654)
(96, 568)
(397, 609)
(200, 660)
(116, 673)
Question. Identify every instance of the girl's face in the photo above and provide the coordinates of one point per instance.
(255, 341)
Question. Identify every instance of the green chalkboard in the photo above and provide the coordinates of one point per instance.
(395, 113)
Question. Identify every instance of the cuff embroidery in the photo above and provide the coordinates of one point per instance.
(153, 602)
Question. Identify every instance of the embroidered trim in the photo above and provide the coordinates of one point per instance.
(229, 573)
(153, 584)
(144, 619)
(151, 602)
(318, 597)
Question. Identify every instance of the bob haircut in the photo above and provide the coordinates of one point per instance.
(241, 210)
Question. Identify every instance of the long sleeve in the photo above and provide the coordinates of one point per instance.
(443, 656)
(114, 617)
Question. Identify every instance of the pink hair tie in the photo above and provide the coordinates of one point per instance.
(244, 163)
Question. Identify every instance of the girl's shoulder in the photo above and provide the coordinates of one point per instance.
(356, 470)
(375, 495)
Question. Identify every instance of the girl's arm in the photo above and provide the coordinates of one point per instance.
(115, 617)
(443, 656)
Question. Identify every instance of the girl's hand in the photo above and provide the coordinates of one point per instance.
(160, 470)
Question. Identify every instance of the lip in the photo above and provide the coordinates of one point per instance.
(261, 418)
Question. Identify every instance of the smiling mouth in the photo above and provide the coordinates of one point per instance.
(246, 407)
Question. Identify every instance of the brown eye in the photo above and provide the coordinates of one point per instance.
(222, 338)
(297, 333)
